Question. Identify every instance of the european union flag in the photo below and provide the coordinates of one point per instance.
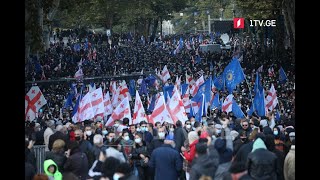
(237, 110)
(202, 110)
(152, 103)
(259, 104)
(282, 76)
(143, 88)
(233, 75)
(184, 88)
(205, 89)
(167, 90)
(258, 86)
(216, 103)
(132, 88)
(219, 82)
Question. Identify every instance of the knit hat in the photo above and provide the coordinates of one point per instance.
(170, 137)
(192, 136)
(267, 130)
(258, 144)
(220, 145)
(234, 134)
(226, 156)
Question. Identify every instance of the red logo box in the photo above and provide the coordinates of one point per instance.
(238, 23)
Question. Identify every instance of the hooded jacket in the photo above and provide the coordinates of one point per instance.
(57, 175)
(262, 164)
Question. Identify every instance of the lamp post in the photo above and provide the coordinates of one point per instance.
(195, 27)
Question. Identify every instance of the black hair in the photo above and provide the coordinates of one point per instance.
(270, 142)
(201, 148)
(124, 168)
(109, 166)
(203, 140)
(143, 122)
(179, 123)
(125, 121)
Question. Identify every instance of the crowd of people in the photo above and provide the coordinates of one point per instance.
(221, 146)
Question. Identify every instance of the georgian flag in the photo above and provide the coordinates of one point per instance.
(34, 100)
(160, 112)
(165, 74)
(271, 99)
(227, 104)
(107, 105)
(97, 102)
(176, 107)
(138, 112)
(85, 111)
(196, 86)
(120, 112)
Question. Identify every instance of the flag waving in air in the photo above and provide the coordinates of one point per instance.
(282, 76)
(233, 75)
(107, 105)
(176, 107)
(227, 104)
(138, 112)
(120, 112)
(34, 100)
(271, 100)
(160, 112)
(237, 110)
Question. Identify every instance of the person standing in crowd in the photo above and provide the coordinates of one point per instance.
(39, 133)
(190, 152)
(57, 154)
(289, 163)
(166, 161)
(126, 143)
(147, 136)
(132, 131)
(51, 169)
(278, 142)
(245, 128)
(180, 135)
(140, 157)
(59, 134)
(225, 157)
(85, 146)
(280, 155)
(77, 161)
(48, 132)
(98, 146)
(88, 134)
(158, 141)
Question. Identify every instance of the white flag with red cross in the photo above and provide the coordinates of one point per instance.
(107, 105)
(115, 100)
(139, 113)
(271, 99)
(34, 100)
(176, 107)
(196, 86)
(227, 104)
(97, 102)
(124, 91)
(160, 112)
(165, 74)
(120, 112)
(85, 108)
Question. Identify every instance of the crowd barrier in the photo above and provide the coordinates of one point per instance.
(39, 152)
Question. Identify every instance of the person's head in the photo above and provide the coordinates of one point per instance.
(169, 140)
(37, 127)
(158, 125)
(150, 126)
(201, 149)
(78, 135)
(143, 126)
(244, 124)
(109, 166)
(276, 132)
(161, 133)
(73, 146)
(61, 129)
(218, 129)
(254, 122)
(192, 120)
(117, 123)
(132, 128)
(192, 136)
(51, 124)
(138, 138)
(125, 121)
(125, 135)
(123, 170)
(88, 130)
(111, 136)
(50, 167)
(187, 124)
(58, 145)
(292, 136)
(98, 140)
(178, 124)
(270, 142)
(243, 137)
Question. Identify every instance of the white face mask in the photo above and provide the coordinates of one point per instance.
(89, 133)
(188, 126)
(138, 140)
(104, 132)
(126, 138)
(116, 125)
(161, 135)
(116, 177)
(138, 129)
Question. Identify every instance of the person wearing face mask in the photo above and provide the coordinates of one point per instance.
(165, 161)
(157, 141)
(279, 144)
(84, 145)
(147, 136)
(126, 143)
(88, 135)
(140, 157)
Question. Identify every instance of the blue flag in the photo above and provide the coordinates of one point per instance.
(191, 112)
(282, 76)
(132, 87)
(259, 104)
(76, 106)
(205, 89)
(237, 110)
(216, 103)
(69, 101)
(258, 86)
(143, 88)
(150, 80)
(152, 103)
(277, 116)
(198, 59)
(184, 88)
(167, 90)
(181, 43)
(202, 110)
(233, 75)
(250, 112)
(219, 82)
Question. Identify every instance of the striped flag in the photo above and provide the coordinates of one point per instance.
(227, 104)
(271, 99)
(138, 112)
(120, 112)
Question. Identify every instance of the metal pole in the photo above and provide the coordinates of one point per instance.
(209, 24)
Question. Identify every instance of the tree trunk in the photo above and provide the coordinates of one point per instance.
(203, 25)
(154, 30)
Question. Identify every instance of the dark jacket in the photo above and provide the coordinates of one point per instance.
(39, 137)
(55, 136)
(77, 163)
(180, 136)
(58, 158)
(167, 163)
(155, 143)
(203, 165)
(224, 167)
(147, 137)
(262, 164)
(29, 171)
(242, 154)
(136, 155)
(96, 150)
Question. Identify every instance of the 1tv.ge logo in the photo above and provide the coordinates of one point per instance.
(238, 23)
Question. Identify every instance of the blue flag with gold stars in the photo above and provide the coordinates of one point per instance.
(233, 75)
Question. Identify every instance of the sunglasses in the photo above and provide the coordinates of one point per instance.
(244, 124)
(188, 124)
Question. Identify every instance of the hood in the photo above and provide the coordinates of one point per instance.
(258, 144)
(48, 163)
